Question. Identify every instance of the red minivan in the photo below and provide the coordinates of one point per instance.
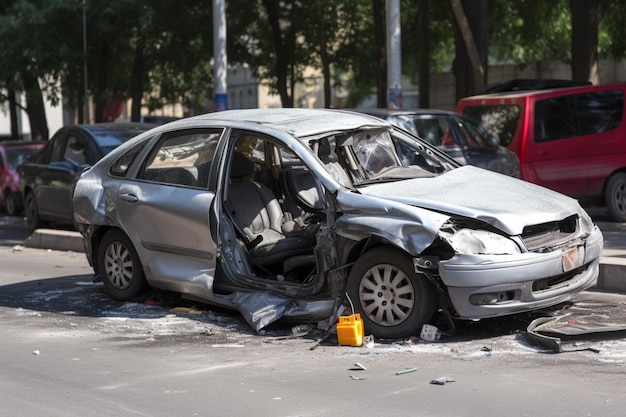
(572, 140)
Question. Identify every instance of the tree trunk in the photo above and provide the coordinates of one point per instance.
(584, 40)
(381, 53)
(136, 88)
(424, 55)
(15, 133)
(470, 63)
(324, 56)
(35, 108)
(273, 16)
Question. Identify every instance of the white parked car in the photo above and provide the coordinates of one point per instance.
(282, 212)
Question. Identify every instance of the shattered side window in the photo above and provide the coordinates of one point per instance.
(375, 151)
(121, 165)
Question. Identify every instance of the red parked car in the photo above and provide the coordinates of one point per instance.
(572, 140)
(12, 154)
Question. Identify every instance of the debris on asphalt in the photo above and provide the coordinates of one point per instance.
(443, 380)
(406, 371)
(358, 367)
(368, 341)
(356, 378)
(17, 248)
(561, 334)
(36, 352)
(186, 310)
(430, 333)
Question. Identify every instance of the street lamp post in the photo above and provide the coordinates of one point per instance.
(85, 86)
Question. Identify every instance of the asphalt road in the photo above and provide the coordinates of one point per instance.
(67, 349)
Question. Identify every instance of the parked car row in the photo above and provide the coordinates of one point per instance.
(287, 213)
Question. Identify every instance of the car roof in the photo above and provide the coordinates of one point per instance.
(297, 122)
(113, 129)
(106, 134)
(544, 92)
(399, 112)
(21, 143)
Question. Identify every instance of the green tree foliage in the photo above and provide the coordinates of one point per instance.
(161, 52)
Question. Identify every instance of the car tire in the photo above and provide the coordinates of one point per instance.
(393, 300)
(615, 196)
(33, 221)
(10, 204)
(119, 266)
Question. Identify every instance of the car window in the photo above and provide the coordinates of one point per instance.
(182, 160)
(431, 130)
(18, 156)
(375, 151)
(76, 151)
(553, 120)
(497, 118)
(598, 112)
(119, 168)
(474, 134)
(56, 152)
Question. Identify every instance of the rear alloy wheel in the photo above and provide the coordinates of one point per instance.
(10, 203)
(33, 221)
(119, 266)
(615, 196)
(393, 300)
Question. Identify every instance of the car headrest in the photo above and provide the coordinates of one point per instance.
(241, 167)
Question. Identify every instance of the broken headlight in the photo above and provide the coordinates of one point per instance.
(479, 242)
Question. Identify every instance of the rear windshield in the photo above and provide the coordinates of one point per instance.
(18, 156)
(502, 119)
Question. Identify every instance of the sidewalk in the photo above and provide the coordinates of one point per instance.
(612, 262)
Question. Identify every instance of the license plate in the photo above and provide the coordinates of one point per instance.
(572, 258)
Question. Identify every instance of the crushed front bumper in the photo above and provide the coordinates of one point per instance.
(481, 286)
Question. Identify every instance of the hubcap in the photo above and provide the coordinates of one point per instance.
(386, 295)
(118, 265)
(620, 197)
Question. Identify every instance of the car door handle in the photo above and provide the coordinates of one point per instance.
(129, 198)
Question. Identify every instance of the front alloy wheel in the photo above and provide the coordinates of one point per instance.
(119, 266)
(393, 300)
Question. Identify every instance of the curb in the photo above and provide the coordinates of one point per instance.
(612, 274)
(62, 240)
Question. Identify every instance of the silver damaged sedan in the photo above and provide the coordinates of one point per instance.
(298, 214)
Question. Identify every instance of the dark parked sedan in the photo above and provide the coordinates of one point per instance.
(460, 136)
(46, 180)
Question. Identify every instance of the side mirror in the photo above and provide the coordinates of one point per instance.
(494, 140)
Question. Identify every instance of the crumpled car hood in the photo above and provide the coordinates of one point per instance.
(507, 203)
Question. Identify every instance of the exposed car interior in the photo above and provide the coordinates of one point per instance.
(275, 205)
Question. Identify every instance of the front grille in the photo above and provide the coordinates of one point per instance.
(557, 280)
(550, 234)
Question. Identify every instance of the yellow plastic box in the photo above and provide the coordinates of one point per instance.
(350, 330)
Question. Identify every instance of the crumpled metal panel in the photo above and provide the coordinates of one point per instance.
(462, 192)
(410, 228)
(261, 309)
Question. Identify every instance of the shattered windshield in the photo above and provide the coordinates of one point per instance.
(367, 156)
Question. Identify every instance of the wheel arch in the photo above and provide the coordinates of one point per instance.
(94, 244)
